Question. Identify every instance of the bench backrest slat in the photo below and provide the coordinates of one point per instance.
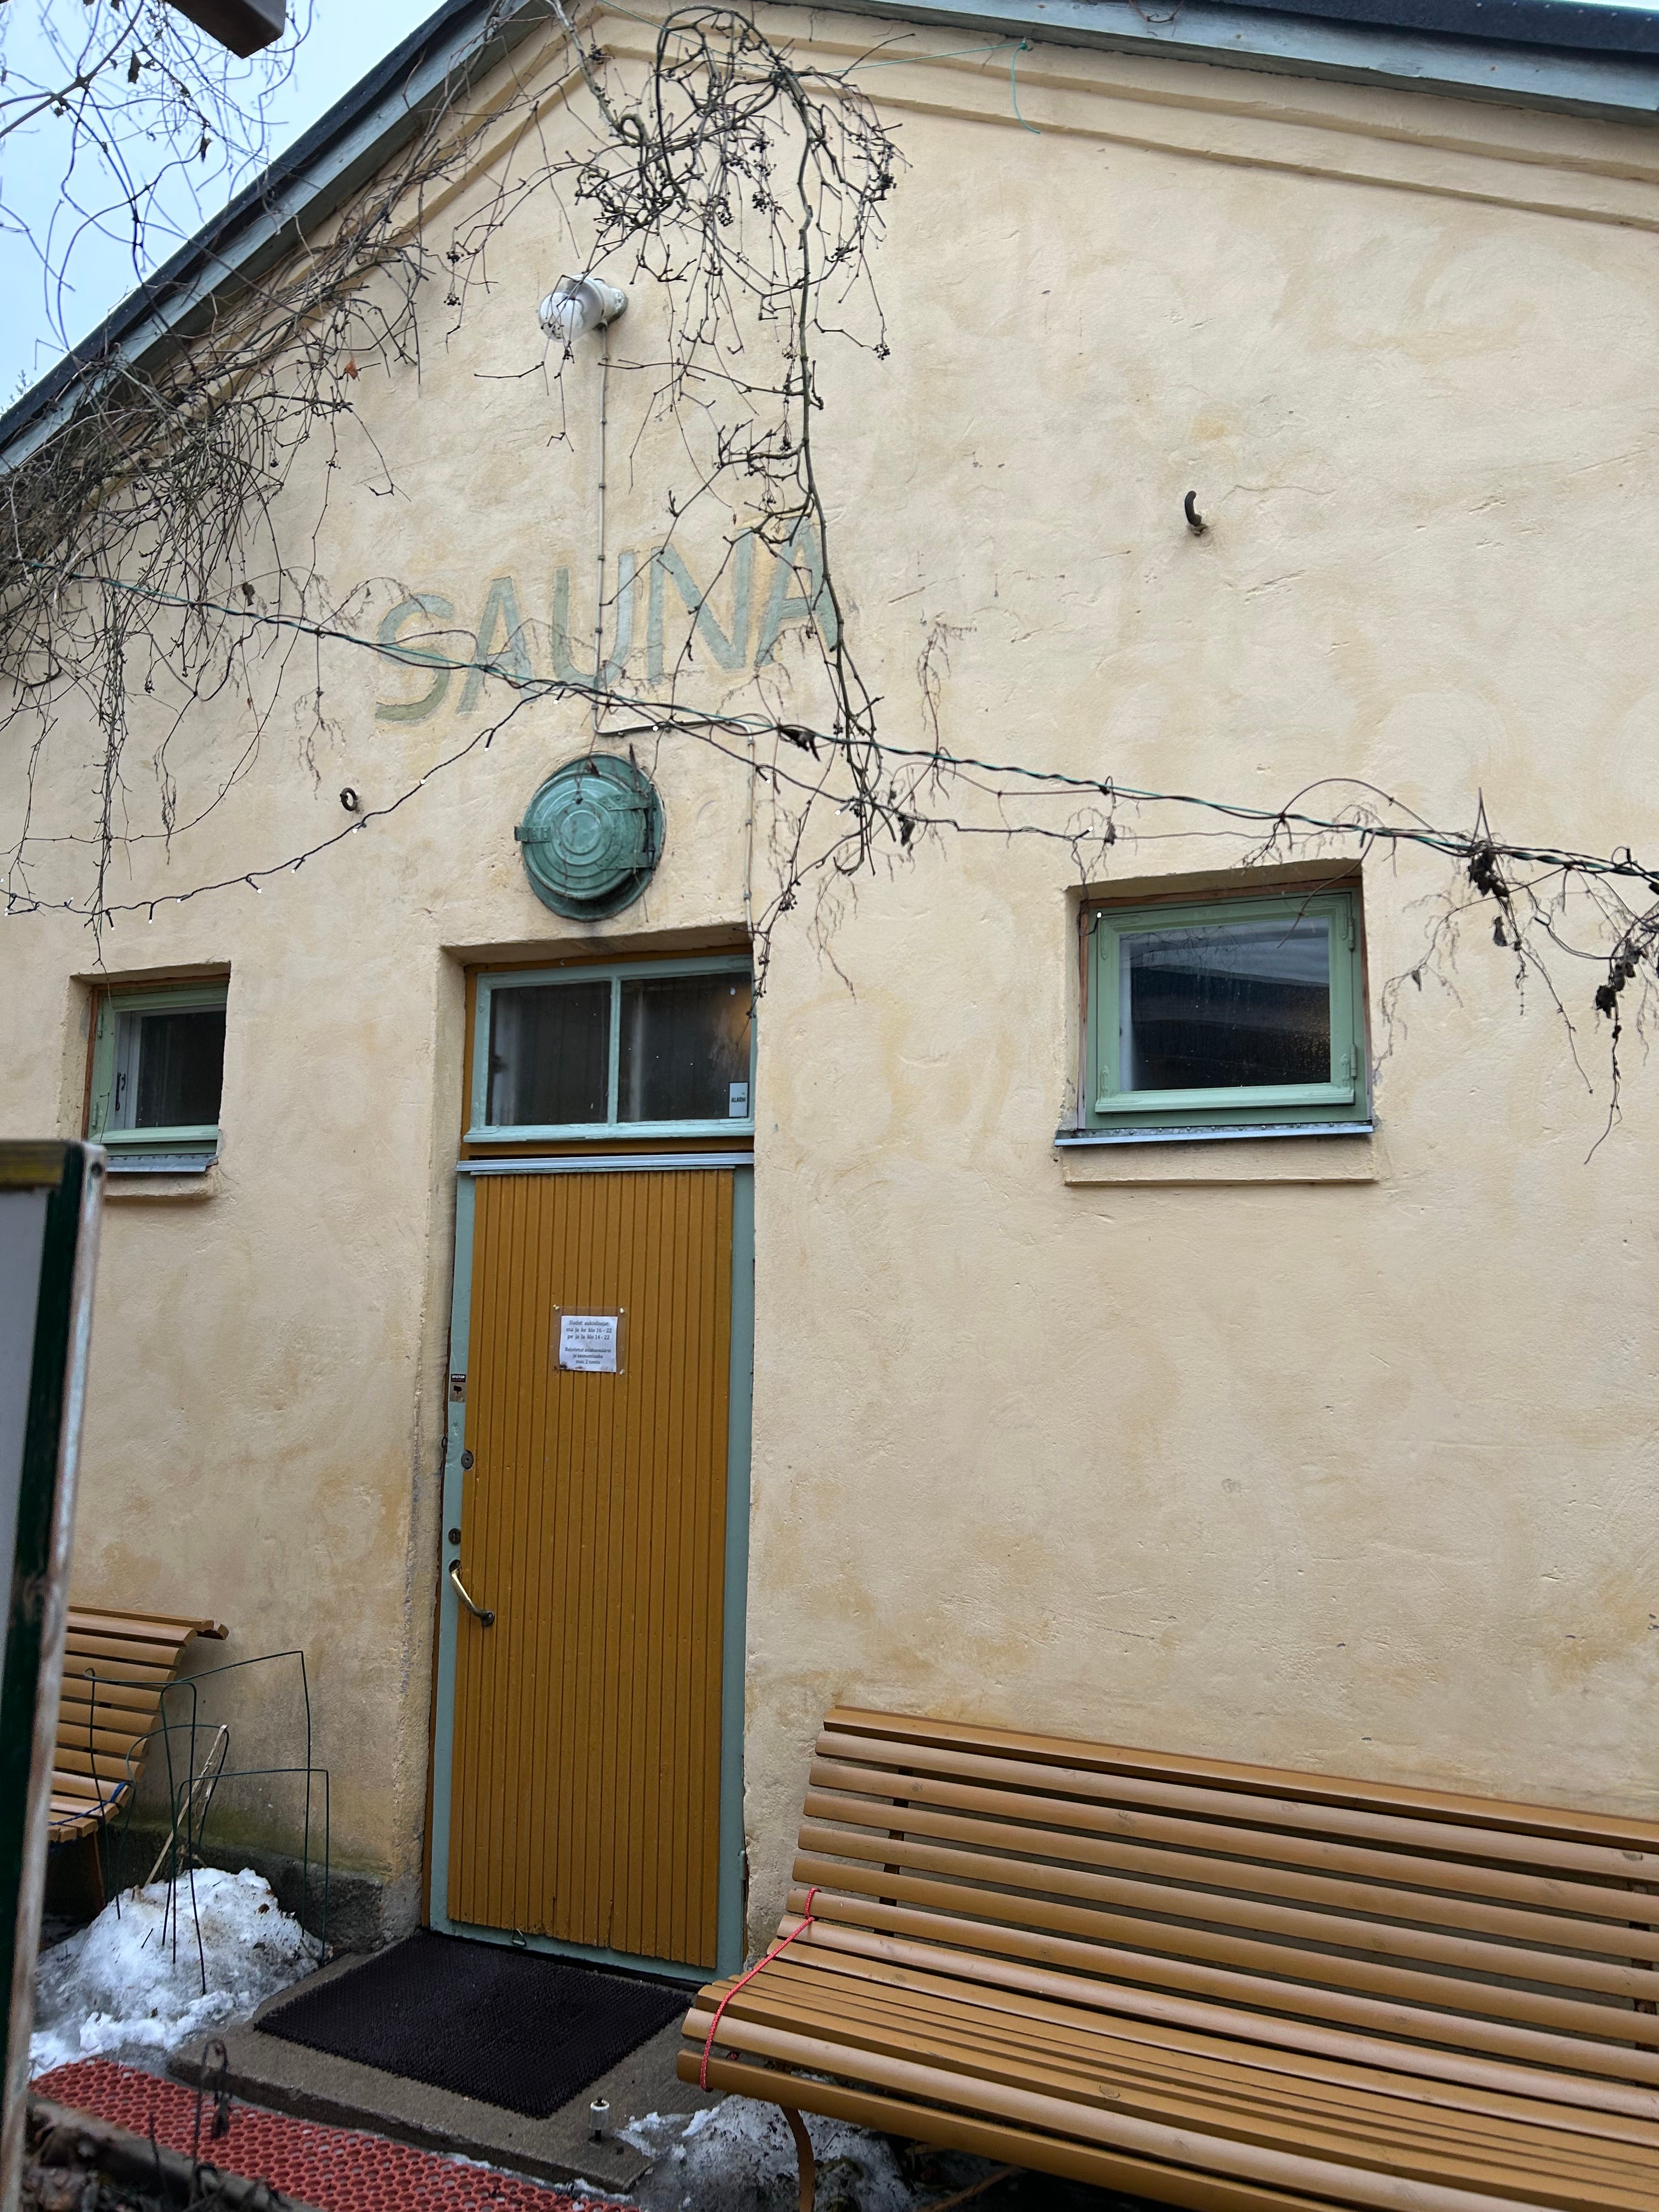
(1394, 1890)
(1425, 1832)
(1121, 1762)
(1319, 1853)
(1390, 1926)
(169, 1631)
(116, 1666)
(1127, 2002)
(1443, 1995)
(1465, 1924)
(104, 1697)
(107, 1655)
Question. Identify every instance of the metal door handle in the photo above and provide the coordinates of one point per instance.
(480, 1613)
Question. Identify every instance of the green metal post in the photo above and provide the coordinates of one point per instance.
(49, 1196)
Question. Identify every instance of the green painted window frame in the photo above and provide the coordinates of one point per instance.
(611, 1130)
(161, 998)
(1344, 1099)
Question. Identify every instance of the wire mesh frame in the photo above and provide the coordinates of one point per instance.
(181, 1794)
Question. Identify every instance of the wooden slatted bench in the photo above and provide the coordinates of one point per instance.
(1225, 1987)
(116, 1665)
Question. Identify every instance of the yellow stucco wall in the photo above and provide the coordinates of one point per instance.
(1352, 1471)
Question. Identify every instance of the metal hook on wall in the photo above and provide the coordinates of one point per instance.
(1195, 521)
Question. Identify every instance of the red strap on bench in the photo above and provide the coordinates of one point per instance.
(782, 1944)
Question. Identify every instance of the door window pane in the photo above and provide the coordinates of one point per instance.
(549, 1055)
(685, 1049)
(169, 1069)
(1222, 1004)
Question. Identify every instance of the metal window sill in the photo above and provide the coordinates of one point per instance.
(606, 1133)
(150, 1164)
(1229, 1132)
(1326, 1151)
(162, 1175)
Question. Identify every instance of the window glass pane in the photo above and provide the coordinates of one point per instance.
(685, 1049)
(170, 1074)
(549, 1054)
(1219, 1004)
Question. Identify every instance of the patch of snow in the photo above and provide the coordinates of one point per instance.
(739, 2156)
(126, 1987)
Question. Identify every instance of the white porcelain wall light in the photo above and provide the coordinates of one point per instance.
(580, 303)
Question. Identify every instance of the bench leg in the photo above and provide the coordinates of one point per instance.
(75, 1878)
(802, 2157)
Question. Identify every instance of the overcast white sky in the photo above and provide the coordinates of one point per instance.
(344, 40)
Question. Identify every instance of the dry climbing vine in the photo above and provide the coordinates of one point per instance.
(155, 546)
(748, 188)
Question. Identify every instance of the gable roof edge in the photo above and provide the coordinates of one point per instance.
(299, 189)
(1500, 50)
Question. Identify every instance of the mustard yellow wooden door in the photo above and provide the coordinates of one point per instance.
(585, 1789)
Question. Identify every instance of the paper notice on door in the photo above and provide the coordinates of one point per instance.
(587, 1343)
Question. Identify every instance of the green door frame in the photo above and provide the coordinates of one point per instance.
(730, 1939)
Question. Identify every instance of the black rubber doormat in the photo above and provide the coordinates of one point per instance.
(515, 2028)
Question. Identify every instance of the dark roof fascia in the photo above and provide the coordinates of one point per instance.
(1564, 26)
(1404, 45)
(1599, 61)
(299, 190)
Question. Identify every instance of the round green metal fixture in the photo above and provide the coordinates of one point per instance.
(592, 837)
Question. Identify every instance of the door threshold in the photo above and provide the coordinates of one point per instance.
(587, 1955)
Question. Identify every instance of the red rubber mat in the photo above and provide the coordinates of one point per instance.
(337, 2169)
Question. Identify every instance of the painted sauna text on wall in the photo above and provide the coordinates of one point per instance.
(758, 597)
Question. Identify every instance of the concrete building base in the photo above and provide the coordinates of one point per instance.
(287, 2077)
